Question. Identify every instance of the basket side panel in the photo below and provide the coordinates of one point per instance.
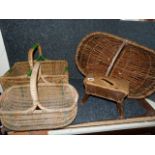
(39, 120)
(137, 66)
(95, 53)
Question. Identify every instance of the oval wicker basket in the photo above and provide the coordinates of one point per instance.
(38, 106)
(103, 54)
(53, 70)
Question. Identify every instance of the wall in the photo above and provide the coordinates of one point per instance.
(4, 63)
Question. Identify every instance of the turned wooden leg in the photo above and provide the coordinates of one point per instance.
(85, 98)
(120, 108)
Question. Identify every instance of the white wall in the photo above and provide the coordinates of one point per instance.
(4, 63)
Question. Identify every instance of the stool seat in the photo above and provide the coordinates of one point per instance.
(109, 88)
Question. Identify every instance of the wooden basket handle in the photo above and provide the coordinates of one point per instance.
(30, 54)
(36, 74)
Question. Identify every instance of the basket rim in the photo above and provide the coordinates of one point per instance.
(2, 112)
(25, 62)
(110, 35)
(25, 76)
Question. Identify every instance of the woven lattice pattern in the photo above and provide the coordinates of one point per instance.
(55, 71)
(134, 63)
(38, 105)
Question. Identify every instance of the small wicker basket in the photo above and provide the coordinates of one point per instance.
(38, 106)
(52, 70)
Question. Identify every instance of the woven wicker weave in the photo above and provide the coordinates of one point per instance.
(42, 106)
(52, 70)
(102, 54)
(51, 105)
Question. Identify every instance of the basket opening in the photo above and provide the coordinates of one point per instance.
(50, 97)
(18, 69)
(107, 81)
(37, 108)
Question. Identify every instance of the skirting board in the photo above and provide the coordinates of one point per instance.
(104, 126)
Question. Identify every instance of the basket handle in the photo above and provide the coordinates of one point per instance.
(36, 74)
(30, 54)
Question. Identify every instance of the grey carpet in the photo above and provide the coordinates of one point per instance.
(97, 109)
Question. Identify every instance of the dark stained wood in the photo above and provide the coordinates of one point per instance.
(120, 108)
(140, 131)
(37, 132)
(85, 98)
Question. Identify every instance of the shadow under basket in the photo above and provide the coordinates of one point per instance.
(42, 106)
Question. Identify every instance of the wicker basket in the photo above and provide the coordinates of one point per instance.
(42, 106)
(102, 54)
(52, 70)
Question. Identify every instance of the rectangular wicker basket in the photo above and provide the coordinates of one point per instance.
(53, 70)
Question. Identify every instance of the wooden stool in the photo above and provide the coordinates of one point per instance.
(109, 88)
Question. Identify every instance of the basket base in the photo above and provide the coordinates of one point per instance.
(33, 122)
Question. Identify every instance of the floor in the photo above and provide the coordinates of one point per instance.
(97, 109)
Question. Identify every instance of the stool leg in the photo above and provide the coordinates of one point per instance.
(85, 98)
(120, 108)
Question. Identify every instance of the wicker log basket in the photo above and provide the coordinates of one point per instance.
(38, 106)
(52, 70)
(102, 54)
